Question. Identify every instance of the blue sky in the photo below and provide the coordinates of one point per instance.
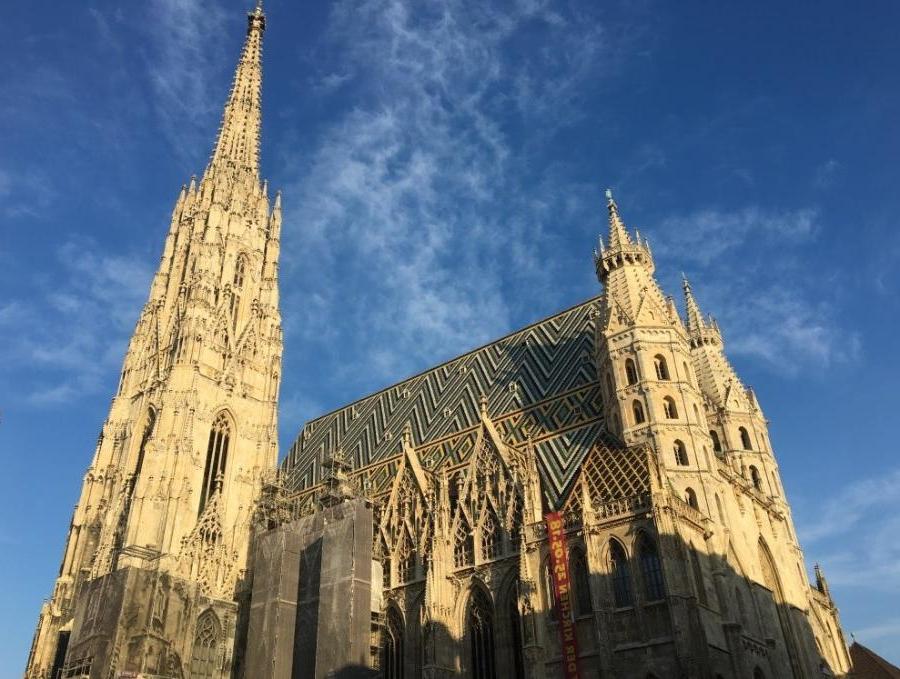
(443, 165)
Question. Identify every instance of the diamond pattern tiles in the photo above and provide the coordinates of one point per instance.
(539, 380)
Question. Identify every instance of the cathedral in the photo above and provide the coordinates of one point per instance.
(594, 495)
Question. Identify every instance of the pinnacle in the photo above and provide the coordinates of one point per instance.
(695, 322)
(618, 235)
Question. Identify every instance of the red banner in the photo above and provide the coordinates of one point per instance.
(559, 569)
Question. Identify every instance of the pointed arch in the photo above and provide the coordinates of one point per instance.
(745, 438)
(681, 454)
(480, 630)
(661, 368)
(631, 374)
(691, 498)
(621, 575)
(669, 408)
(579, 576)
(392, 656)
(637, 411)
(755, 478)
(717, 444)
(217, 449)
(207, 640)
(651, 568)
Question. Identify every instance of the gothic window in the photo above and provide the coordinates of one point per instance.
(687, 374)
(621, 578)
(631, 376)
(240, 270)
(651, 570)
(696, 413)
(490, 536)
(216, 459)
(386, 572)
(669, 408)
(206, 646)
(463, 548)
(481, 636)
(405, 559)
(610, 390)
(515, 633)
(148, 432)
(234, 307)
(719, 508)
(755, 478)
(549, 590)
(717, 445)
(662, 369)
(580, 578)
(691, 498)
(392, 646)
(745, 439)
(681, 455)
(638, 411)
(697, 571)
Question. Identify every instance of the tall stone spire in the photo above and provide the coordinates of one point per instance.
(618, 235)
(238, 144)
(695, 322)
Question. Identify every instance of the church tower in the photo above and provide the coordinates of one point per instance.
(158, 541)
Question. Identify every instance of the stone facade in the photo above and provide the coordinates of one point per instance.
(404, 534)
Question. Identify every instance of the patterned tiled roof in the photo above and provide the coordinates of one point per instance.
(540, 380)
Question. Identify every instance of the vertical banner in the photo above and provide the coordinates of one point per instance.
(559, 569)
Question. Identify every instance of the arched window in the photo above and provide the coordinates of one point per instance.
(697, 571)
(216, 459)
(696, 413)
(481, 636)
(669, 408)
(662, 369)
(234, 306)
(719, 508)
(691, 498)
(717, 445)
(392, 646)
(240, 270)
(621, 578)
(638, 411)
(651, 570)
(464, 546)
(631, 376)
(681, 454)
(205, 653)
(687, 373)
(549, 591)
(745, 439)
(755, 478)
(580, 578)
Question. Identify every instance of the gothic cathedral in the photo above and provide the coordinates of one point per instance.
(593, 495)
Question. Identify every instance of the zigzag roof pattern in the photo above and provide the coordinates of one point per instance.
(540, 380)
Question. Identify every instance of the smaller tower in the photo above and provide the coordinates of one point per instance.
(644, 360)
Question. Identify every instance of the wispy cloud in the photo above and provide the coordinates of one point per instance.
(415, 213)
(72, 337)
(855, 532)
(785, 316)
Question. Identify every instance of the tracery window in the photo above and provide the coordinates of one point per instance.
(717, 445)
(206, 646)
(481, 636)
(392, 646)
(216, 459)
(662, 369)
(651, 570)
(631, 376)
(669, 408)
(463, 548)
(681, 455)
(745, 439)
(240, 270)
(621, 577)
(638, 411)
(691, 498)
(755, 478)
(490, 536)
(580, 577)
